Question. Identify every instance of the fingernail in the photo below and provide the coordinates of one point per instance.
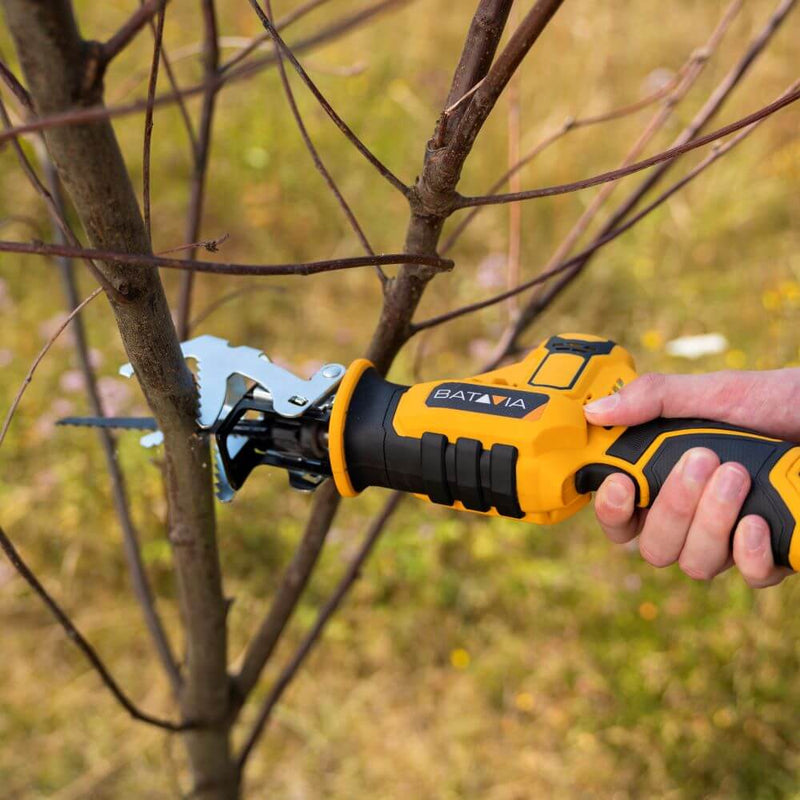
(728, 483)
(616, 494)
(753, 536)
(603, 404)
(698, 467)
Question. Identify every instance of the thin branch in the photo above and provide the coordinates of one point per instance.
(130, 537)
(318, 163)
(83, 645)
(326, 612)
(209, 245)
(326, 106)
(201, 156)
(714, 156)
(281, 24)
(615, 175)
(158, 37)
(17, 89)
(123, 37)
(78, 116)
(42, 353)
(225, 268)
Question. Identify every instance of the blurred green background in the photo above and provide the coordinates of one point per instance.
(476, 658)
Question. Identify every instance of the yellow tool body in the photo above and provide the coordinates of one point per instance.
(515, 441)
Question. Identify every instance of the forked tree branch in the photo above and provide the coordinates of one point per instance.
(80, 641)
(17, 89)
(399, 303)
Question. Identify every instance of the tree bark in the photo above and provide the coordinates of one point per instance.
(64, 72)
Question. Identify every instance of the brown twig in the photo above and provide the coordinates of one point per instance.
(615, 175)
(225, 268)
(83, 645)
(123, 37)
(318, 163)
(283, 23)
(326, 106)
(352, 574)
(158, 38)
(558, 269)
(17, 89)
(201, 156)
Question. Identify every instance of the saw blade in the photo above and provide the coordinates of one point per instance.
(122, 423)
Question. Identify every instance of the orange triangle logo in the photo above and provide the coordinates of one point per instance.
(498, 398)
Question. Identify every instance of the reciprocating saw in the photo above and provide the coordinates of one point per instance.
(513, 442)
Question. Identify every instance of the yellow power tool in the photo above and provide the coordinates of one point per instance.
(512, 442)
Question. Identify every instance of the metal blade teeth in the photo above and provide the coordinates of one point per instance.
(222, 489)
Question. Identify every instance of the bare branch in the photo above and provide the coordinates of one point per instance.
(224, 268)
(83, 645)
(318, 163)
(209, 245)
(284, 22)
(326, 106)
(42, 353)
(615, 175)
(326, 612)
(123, 37)
(158, 37)
(17, 89)
(201, 155)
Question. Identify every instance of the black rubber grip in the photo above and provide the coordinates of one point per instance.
(464, 471)
(757, 455)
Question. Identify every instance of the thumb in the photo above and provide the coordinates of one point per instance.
(655, 395)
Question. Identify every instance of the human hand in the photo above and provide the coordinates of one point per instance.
(691, 520)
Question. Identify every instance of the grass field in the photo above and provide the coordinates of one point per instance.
(475, 659)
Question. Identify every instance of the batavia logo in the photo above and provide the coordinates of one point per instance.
(480, 397)
(491, 400)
